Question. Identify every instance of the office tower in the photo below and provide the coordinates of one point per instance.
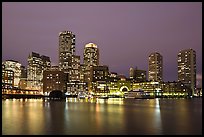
(36, 65)
(155, 67)
(75, 71)
(187, 68)
(7, 78)
(91, 58)
(23, 78)
(66, 51)
(15, 66)
(99, 73)
(140, 75)
(53, 79)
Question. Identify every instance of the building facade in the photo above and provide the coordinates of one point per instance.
(36, 65)
(53, 79)
(155, 67)
(66, 51)
(7, 79)
(15, 66)
(187, 68)
(75, 70)
(91, 58)
(23, 78)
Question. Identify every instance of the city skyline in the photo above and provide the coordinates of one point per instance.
(183, 31)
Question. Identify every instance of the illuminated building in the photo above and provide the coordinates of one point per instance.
(137, 75)
(187, 68)
(155, 67)
(53, 79)
(140, 75)
(7, 78)
(91, 58)
(75, 71)
(131, 73)
(66, 51)
(36, 65)
(15, 66)
(23, 78)
(99, 73)
(82, 71)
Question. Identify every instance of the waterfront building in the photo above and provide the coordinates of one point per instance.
(99, 76)
(113, 77)
(15, 66)
(187, 68)
(91, 58)
(82, 71)
(36, 65)
(155, 67)
(99, 73)
(23, 78)
(131, 73)
(66, 51)
(53, 79)
(75, 71)
(7, 78)
(140, 75)
(137, 75)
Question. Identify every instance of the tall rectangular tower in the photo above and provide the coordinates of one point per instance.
(155, 67)
(66, 51)
(187, 68)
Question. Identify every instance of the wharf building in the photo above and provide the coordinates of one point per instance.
(36, 65)
(7, 79)
(99, 79)
(137, 75)
(155, 67)
(53, 79)
(187, 68)
(15, 66)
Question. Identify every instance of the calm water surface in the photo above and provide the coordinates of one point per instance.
(102, 116)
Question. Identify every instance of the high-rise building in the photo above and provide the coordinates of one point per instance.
(66, 51)
(91, 58)
(99, 73)
(75, 71)
(131, 73)
(140, 75)
(155, 67)
(23, 78)
(15, 66)
(187, 68)
(7, 78)
(36, 65)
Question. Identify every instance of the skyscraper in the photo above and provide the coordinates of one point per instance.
(131, 73)
(187, 68)
(66, 51)
(36, 65)
(91, 58)
(155, 67)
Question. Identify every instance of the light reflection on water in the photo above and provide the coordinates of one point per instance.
(102, 116)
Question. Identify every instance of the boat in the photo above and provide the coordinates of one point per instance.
(138, 94)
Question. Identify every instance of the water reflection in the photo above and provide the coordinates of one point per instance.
(101, 116)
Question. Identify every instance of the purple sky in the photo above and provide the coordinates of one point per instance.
(126, 33)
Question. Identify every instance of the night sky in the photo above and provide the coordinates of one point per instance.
(125, 33)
